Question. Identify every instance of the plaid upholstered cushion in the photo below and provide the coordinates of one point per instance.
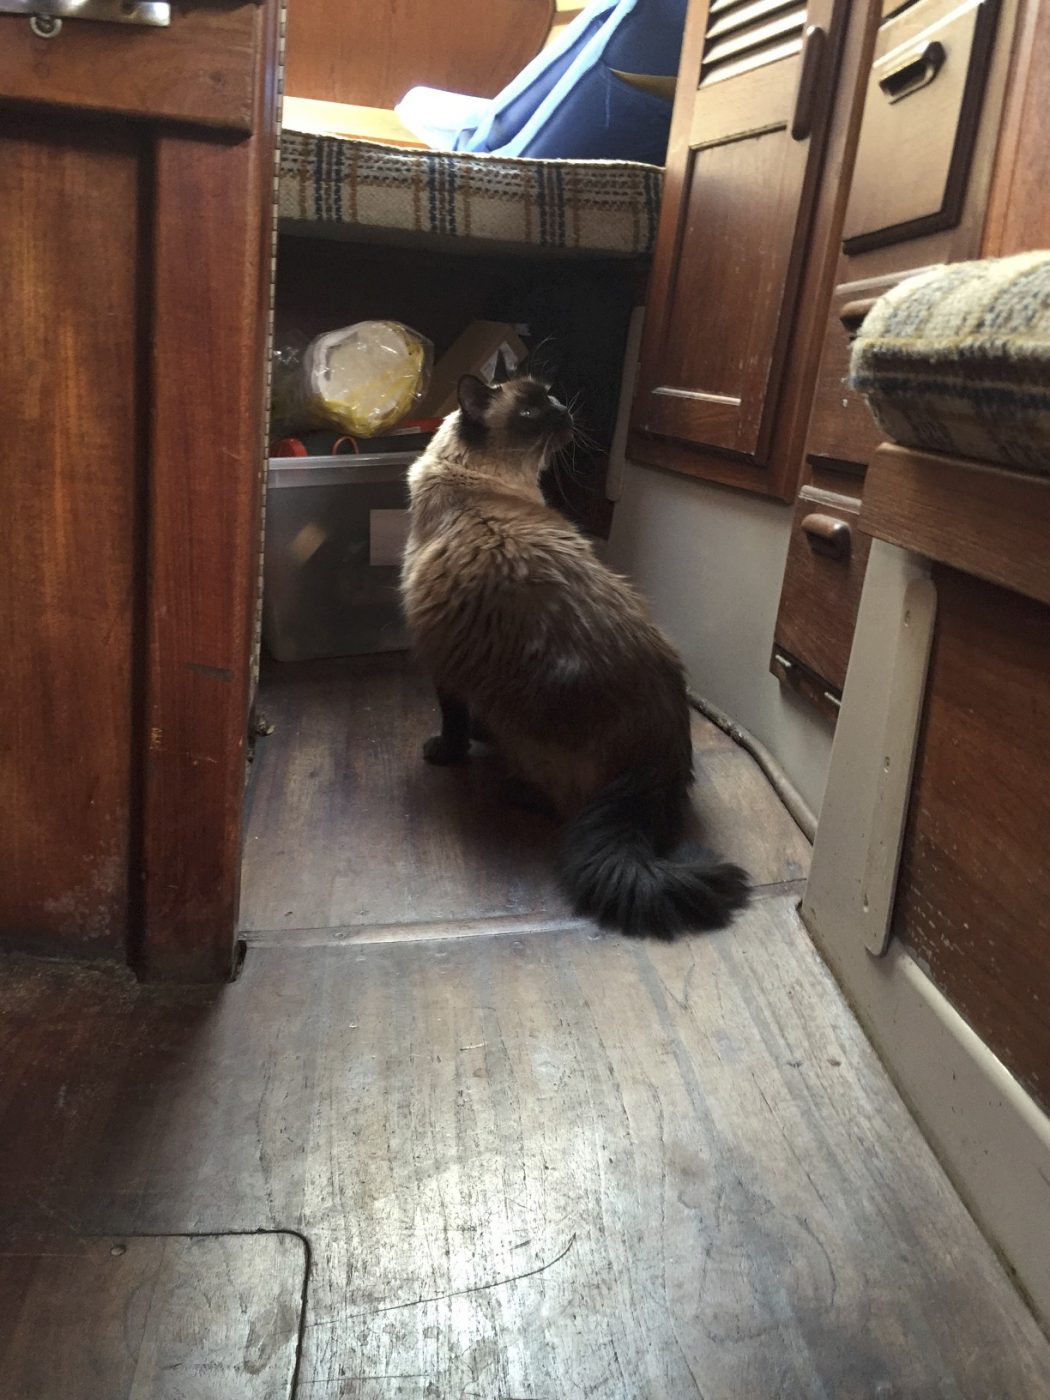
(599, 206)
(957, 360)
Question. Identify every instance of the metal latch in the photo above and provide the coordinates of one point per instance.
(46, 16)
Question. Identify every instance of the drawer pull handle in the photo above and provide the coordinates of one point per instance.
(827, 535)
(916, 72)
(811, 69)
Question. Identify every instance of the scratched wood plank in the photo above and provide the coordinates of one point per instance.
(349, 828)
(208, 1318)
(538, 1166)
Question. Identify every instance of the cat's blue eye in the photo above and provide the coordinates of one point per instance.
(528, 412)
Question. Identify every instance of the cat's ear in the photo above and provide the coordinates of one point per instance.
(474, 397)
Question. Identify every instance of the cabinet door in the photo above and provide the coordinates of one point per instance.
(136, 180)
(742, 177)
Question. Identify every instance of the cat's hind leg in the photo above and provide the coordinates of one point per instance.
(452, 745)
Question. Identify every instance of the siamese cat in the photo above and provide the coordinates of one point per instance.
(533, 641)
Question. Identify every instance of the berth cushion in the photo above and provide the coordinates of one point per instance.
(338, 185)
(957, 360)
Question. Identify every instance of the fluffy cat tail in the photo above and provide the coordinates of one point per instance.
(610, 868)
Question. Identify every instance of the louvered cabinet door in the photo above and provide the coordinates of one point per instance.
(743, 170)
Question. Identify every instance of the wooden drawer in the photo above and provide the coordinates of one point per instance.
(920, 122)
(203, 69)
(842, 432)
(820, 596)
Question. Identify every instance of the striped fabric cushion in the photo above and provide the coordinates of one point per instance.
(957, 360)
(342, 184)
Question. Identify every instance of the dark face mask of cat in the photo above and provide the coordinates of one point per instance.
(521, 414)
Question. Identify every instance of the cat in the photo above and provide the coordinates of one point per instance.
(530, 637)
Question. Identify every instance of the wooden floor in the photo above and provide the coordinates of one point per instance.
(351, 831)
(528, 1161)
(206, 1317)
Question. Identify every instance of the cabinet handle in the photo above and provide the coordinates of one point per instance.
(917, 71)
(810, 68)
(827, 535)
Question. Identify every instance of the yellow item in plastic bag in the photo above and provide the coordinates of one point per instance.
(365, 378)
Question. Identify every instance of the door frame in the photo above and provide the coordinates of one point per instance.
(207, 454)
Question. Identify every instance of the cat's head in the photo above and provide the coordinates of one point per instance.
(520, 415)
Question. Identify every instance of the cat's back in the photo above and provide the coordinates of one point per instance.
(473, 534)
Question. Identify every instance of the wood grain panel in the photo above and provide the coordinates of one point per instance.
(202, 70)
(973, 898)
(545, 1166)
(349, 829)
(981, 519)
(918, 133)
(345, 119)
(371, 54)
(842, 431)
(1019, 200)
(210, 1317)
(739, 196)
(800, 331)
(965, 239)
(742, 178)
(138, 261)
(821, 593)
(213, 212)
(841, 427)
(349, 826)
(70, 526)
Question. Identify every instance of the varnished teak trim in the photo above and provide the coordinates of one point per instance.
(214, 212)
(984, 520)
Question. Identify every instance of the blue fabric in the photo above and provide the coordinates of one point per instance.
(568, 104)
(602, 118)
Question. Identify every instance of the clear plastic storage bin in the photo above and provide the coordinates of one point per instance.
(335, 528)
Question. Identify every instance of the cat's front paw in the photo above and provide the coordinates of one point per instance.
(442, 751)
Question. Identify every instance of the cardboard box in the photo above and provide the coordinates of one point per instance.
(477, 351)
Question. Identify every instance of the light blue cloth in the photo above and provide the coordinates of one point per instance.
(438, 117)
(568, 103)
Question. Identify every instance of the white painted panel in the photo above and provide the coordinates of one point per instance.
(711, 562)
(993, 1140)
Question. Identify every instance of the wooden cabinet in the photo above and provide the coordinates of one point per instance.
(827, 557)
(725, 322)
(928, 145)
(921, 109)
(819, 153)
(136, 176)
(972, 890)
